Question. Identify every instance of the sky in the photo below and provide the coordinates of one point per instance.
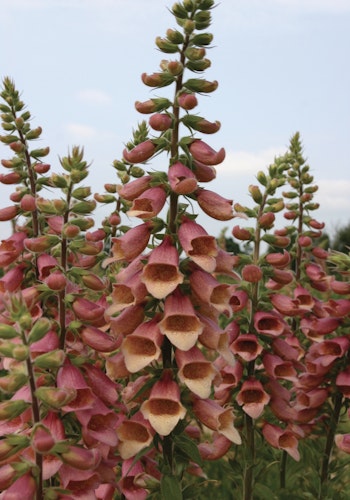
(282, 66)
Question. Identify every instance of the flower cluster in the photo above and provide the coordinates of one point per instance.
(130, 356)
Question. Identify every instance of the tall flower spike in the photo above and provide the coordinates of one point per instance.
(161, 274)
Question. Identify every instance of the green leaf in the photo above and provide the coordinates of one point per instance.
(188, 447)
(170, 488)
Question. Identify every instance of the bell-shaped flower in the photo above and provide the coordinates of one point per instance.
(211, 334)
(161, 274)
(98, 424)
(198, 245)
(312, 399)
(269, 323)
(276, 367)
(70, 377)
(217, 418)
(210, 291)
(142, 347)
(127, 484)
(246, 346)
(282, 439)
(326, 352)
(163, 408)
(214, 205)
(148, 204)
(231, 376)
(130, 245)
(315, 328)
(126, 322)
(11, 248)
(97, 379)
(203, 153)
(134, 435)
(195, 371)
(181, 179)
(128, 293)
(12, 279)
(180, 323)
(239, 299)
(252, 398)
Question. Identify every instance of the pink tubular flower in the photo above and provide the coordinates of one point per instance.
(126, 322)
(216, 418)
(180, 323)
(148, 204)
(12, 280)
(98, 339)
(70, 377)
(130, 292)
(181, 179)
(198, 245)
(81, 458)
(131, 244)
(134, 435)
(252, 398)
(210, 291)
(219, 446)
(282, 439)
(11, 248)
(343, 382)
(204, 173)
(269, 323)
(23, 488)
(127, 484)
(135, 188)
(276, 367)
(8, 213)
(140, 153)
(246, 346)
(142, 346)
(214, 205)
(163, 408)
(314, 327)
(87, 310)
(203, 153)
(195, 371)
(161, 274)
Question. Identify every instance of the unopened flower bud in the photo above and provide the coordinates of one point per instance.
(56, 281)
(194, 53)
(152, 105)
(160, 121)
(39, 330)
(203, 153)
(166, 46)
(56, 397)
(304, 241)
(200, 124)
(199, 85)
(70, 231)
(42, 168)
(174, 36)
(252, 273)
(52, 359)
(140, 153)
(266, 220)
(34, 133)
(8, 213)
(17, 147)
(243, 234)
(157, 79)
(104, 198)
(7, 331)
(187, 101)
(39, 153)
(28, 203)
(41, 243)
(12, 178)
(12, 409)
(255, 193)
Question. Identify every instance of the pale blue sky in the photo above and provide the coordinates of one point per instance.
(282, 66)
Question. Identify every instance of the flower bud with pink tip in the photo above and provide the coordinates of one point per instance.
(163, 408)
(160, 121)
(140, 153)
(187, 101)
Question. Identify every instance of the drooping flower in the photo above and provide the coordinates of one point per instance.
(282, 439)
(252, 397)
(140, 153)
(269, 323)
(163, 408)
(181, 179)
(198, 245)
(195, 371)
(161, 274)
(214, 205)
(246, 346)
(142, 346)
(219, 419)
(180, 324)
(135, 188)
(134, 435)
(210, 291)
(148, 204)
(276, 367)
(203, 153)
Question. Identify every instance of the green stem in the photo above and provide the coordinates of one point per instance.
(324, 476)
(248, 477)
(283, 469)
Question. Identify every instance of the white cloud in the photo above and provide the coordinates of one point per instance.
(239, 163)
(80, 132)
(333, 194)
(94, 96)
